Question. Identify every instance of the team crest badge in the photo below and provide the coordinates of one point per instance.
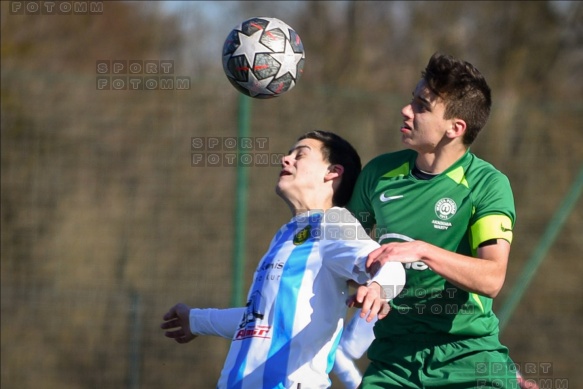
(302, 236)
(445, 208)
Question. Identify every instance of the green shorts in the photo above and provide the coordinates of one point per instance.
(433, 362)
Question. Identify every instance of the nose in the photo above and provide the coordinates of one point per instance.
(285, 160)
(407, 111)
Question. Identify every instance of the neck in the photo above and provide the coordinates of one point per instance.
(299, 206)
(440, 161)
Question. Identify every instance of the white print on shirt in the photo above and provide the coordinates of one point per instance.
(416, 265)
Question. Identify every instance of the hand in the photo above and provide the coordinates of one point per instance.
(371, 300)
(403, 252)
(177, 320)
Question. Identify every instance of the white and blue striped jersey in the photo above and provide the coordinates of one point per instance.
(287, 335)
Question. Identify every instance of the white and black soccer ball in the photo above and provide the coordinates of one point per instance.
(263, 57)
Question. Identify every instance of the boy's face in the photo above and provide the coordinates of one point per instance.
(424, 126)
(303, 170)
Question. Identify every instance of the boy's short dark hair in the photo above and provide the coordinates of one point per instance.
(338, 150)
(463, 89)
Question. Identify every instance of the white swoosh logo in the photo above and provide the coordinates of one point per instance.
(384, 199)
(404, 238)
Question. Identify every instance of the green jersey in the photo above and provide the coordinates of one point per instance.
(466, 205)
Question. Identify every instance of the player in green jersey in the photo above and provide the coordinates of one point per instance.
(448, 217)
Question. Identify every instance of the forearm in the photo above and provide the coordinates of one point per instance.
(218, 322)
(483, 275)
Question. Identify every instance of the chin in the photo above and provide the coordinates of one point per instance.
(279, 190)
(407, 143)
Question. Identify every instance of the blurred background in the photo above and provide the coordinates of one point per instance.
(106, 223)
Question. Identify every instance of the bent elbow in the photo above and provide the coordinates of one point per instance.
(493, 293)
(494, 288)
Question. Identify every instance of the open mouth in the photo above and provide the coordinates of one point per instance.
(284, 173)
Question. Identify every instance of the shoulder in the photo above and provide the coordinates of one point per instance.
(491, 192)
(482, 173)
(338, 215)
(342, 237)
(340, 222)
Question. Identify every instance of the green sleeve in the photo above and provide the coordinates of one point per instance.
(494, 214)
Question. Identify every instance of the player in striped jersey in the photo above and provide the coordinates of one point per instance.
(287, 334)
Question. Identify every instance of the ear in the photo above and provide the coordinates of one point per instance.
(457, 129)
(334, 171)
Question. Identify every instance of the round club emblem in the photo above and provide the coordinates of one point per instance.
(445, 208)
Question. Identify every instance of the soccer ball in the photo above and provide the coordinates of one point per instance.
(263, 57)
